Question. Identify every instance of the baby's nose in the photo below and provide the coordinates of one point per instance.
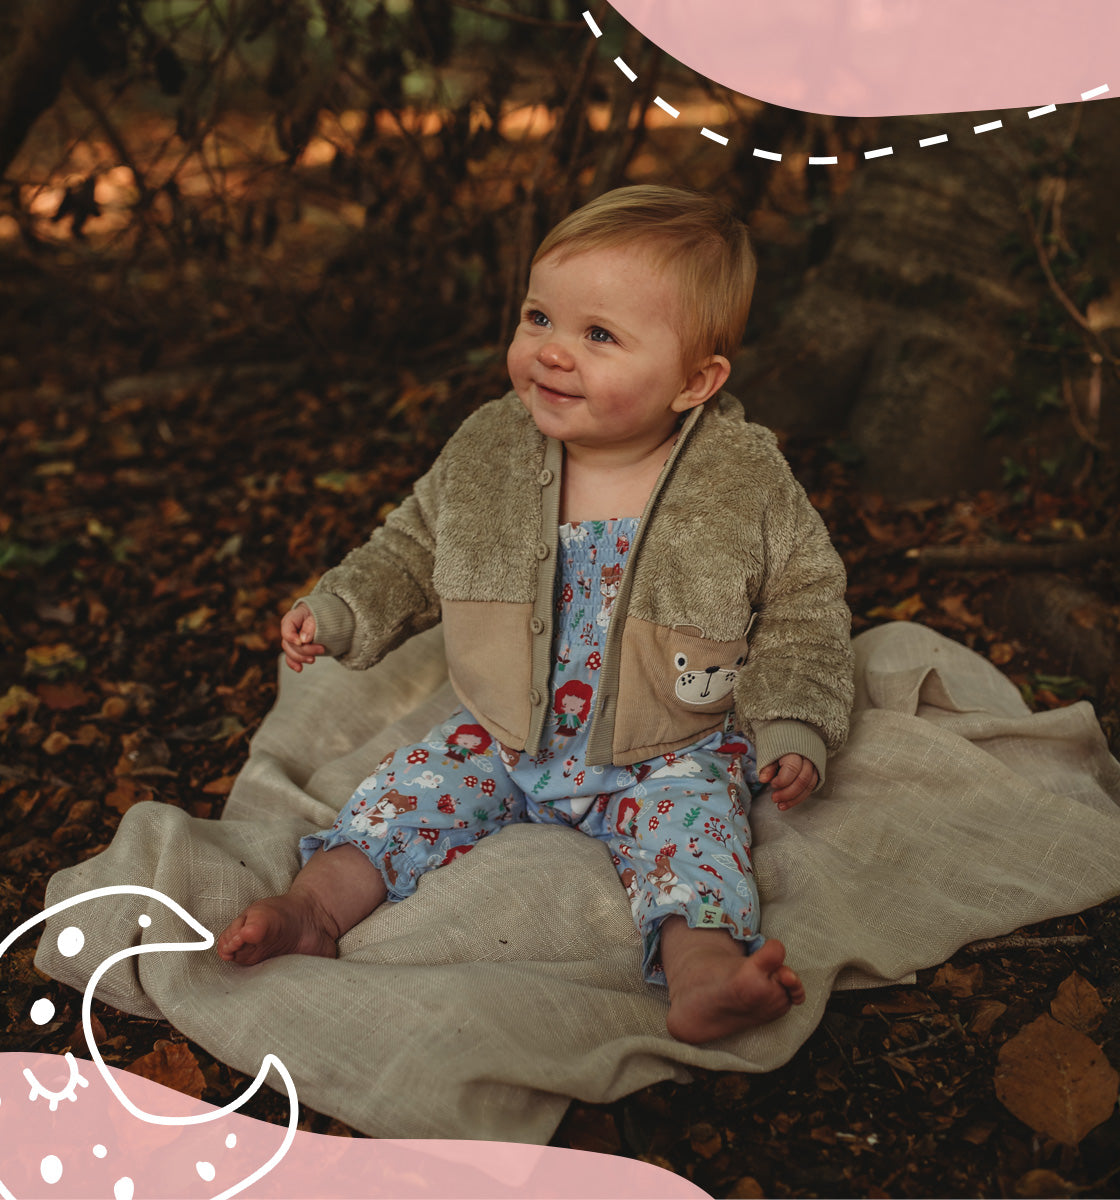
(556, 354)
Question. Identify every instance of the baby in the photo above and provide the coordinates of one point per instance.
(644, 619)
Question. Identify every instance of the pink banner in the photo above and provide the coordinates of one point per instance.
(892, 57)
(64, 1132)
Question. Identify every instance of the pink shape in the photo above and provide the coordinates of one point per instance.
(891, 57)
(164, 1161)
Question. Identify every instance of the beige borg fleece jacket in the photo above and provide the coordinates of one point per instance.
(728, 545)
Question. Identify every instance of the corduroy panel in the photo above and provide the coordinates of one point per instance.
(488, 661)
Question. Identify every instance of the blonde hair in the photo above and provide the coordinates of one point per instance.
(694, 236)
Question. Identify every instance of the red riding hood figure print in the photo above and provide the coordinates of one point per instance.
(467, 740)
(572, 704)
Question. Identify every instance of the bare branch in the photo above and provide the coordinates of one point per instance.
(1015, 555)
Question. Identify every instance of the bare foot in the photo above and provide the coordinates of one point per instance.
(714, 992)
(279, 925)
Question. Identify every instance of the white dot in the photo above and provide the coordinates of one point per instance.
(122, 1189)
(42, 1011)
(51, 1168)
(231, 1140)
(99, 1151)
(206, 1171)
(70, 941)
(145, 920)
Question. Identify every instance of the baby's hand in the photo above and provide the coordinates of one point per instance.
(792, 778)
(297, 631)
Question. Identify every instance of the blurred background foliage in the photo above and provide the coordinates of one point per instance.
(339, 178)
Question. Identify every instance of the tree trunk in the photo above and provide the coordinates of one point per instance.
(30, 77)
(902, 334)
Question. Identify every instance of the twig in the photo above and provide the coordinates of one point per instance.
(1060, 293)
(83, 90)
(1034, 556)
(903, 1051)
(1019, 941)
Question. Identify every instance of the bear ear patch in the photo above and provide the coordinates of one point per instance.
(680, 661)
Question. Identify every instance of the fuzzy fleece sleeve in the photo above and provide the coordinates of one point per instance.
(799, 664)
(382, 592)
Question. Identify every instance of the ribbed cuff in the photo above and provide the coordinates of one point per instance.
(772, 739)
(334, 621)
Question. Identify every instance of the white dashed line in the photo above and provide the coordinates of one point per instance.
(828, 160)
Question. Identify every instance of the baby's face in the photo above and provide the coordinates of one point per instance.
(596, 358)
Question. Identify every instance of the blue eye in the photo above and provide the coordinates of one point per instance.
(599, 334)
(535, 317)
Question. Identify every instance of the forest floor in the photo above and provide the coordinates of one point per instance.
(172, 483)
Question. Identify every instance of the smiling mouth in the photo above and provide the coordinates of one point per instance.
(553, 394)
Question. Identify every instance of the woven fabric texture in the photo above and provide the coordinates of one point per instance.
(510, 982)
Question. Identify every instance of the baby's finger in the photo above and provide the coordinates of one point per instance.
(796, 789)
(788, 770)
(298, 653)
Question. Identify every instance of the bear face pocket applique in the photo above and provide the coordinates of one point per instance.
(699, 683)
(674, 685)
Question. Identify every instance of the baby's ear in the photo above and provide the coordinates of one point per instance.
(705, 380)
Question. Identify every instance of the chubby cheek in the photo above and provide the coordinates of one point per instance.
(518, 359)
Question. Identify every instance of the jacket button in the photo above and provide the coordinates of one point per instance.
(536, 625)
(542, 551)
(535, 697)
(545, 477)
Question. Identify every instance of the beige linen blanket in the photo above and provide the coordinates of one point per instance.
(510, 981)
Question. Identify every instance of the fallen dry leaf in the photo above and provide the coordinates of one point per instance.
(174, 1065)
(954, 607)
(222, 786)
(55, 743)
(705, 1139)
(1042, 1185)
(987, 1013)
(1077, 1004)
(16, 700)
(957, 981)
(114, 708)
(1056, 1080)
(904, 610)
(46, 660)
(126, 793)
(197, 620)
(59, 697)
(1000, 653)
(746, 1188)
(142, 754)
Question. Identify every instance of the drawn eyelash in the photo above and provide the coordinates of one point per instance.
(68, 1092)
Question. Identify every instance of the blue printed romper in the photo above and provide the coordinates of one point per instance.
(676, 826)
